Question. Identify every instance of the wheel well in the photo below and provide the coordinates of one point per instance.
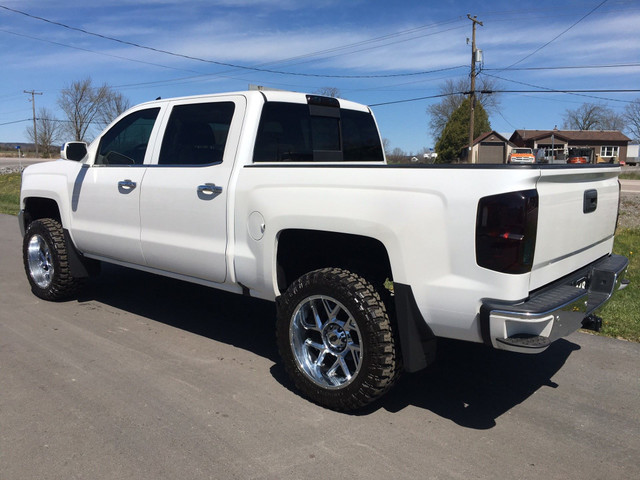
(36, 208)
(302, 251)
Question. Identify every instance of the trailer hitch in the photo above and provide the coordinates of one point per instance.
(592, 322)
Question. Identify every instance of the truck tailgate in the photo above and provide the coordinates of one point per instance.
(576, 220)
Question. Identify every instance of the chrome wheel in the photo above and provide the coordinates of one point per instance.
(40, 261)
(45, 256)
(335, 339)
(326, 342)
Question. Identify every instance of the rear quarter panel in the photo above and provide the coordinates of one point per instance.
(425, 217)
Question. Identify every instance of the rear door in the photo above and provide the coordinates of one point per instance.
(184, 196)
(576, 220)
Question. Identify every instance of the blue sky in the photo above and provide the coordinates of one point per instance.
(387, 45)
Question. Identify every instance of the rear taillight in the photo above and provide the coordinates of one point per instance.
(506, 228)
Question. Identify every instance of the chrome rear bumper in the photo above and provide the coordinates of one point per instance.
(554, 311)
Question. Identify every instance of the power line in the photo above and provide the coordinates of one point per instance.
(214, 62)
(416, 99)
(557, 36)
(564, 67)
(369, 41)
(589, 90)
(553, 90)
(93, 51)
(630, 90)
(383, 45)
(15, 121)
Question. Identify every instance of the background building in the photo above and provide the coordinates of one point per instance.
(601, 145)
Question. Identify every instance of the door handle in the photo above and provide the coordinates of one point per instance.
(209, 189)
(126, 185)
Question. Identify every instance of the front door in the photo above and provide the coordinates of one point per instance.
(183, 204)
(105, 207)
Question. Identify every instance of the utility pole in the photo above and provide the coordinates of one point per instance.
(33, 93)
(472, 92)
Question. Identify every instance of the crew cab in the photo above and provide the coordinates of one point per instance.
(287, 197)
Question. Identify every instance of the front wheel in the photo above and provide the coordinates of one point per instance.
(46, 261)
(335, 339)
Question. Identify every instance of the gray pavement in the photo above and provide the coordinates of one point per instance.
(8, 164)
(145, 377)
(630, 186)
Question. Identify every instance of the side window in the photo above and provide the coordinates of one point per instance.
(361, 141)
(284, 134)
(126, 142)
(196, 134)
(291, 132)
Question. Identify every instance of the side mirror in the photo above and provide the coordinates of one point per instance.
(75, 151)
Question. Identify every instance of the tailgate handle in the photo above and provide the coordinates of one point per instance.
(590, 201)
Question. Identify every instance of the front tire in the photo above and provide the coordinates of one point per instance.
(335, 339)
(46, 261)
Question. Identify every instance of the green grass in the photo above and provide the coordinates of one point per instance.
(10, 193)
(621, 316)
(630, 176)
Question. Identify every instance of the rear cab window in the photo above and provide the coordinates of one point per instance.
(319, 131)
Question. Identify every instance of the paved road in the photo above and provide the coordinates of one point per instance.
(149, 378)
(19, 162)
(630, 186)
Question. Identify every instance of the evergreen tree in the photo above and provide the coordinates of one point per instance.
(456, 132)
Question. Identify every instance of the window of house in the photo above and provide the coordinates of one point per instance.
(608, 151)
(291, 132)
(126, 142)
(196, 134)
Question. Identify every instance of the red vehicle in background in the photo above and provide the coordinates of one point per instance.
(579, 155)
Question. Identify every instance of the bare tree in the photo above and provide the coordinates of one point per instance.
(593, 116)
(49, 131)
(632, 117)
(87, 107)
(397, 155)
(114, 105)
(386, 145)
(441, 112)
(329, 92)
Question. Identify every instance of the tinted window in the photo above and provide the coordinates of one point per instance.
(291, 133)
(126, 142)
(196, 134)
(325, 133)
(284, 134)
(361, 141)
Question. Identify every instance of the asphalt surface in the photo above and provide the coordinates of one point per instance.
(145, 377)
(630, 186)
(19, 162)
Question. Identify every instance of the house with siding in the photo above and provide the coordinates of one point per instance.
(603, 146)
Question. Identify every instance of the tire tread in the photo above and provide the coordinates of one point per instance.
(63, 284)
(381, 372)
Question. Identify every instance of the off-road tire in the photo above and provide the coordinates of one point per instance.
(360, 323)
(46, 261)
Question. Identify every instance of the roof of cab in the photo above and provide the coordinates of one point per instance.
(268, 95)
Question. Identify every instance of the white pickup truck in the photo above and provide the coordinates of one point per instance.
(287, 197)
